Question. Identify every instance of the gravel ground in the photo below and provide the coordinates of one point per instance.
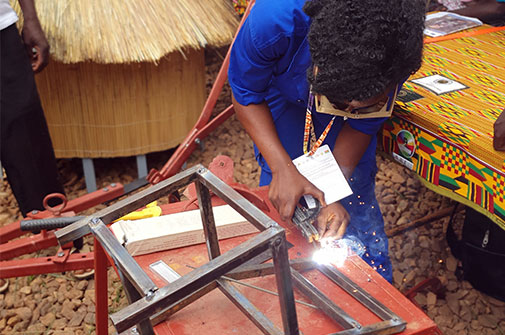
(61, 304)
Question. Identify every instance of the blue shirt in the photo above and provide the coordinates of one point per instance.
(269, 61)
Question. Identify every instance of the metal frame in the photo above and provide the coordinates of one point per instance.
(150, 305)
(146, 298)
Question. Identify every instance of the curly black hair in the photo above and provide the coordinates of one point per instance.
(361, 47)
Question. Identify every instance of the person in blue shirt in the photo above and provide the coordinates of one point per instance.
(356, 54)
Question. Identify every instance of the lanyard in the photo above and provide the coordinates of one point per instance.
(308, 124)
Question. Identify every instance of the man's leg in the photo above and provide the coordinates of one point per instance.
(26, 148)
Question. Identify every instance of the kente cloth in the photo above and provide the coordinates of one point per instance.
(447, 139)
(240, 6)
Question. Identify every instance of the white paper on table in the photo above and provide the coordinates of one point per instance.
(322, 170)
(445, 23)
(439, 84)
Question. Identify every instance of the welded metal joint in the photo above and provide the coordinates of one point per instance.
(151, 294)
(94, 222)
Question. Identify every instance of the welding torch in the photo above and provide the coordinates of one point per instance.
(304, 217)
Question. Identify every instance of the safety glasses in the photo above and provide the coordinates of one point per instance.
(382, 108)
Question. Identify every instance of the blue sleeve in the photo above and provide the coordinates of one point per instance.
(253, 57)
(373, 125)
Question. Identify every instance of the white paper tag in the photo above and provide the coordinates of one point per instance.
(403, 161)
(163, 270)
(322, 170)
(439, 84)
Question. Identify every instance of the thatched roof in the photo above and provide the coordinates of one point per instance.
(124, 31)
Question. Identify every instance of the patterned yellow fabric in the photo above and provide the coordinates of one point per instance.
(452, 133)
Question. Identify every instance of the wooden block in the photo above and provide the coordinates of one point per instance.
(178, 230)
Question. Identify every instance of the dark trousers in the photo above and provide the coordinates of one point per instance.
(25, 145)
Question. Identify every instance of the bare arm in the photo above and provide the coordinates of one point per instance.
(287, 185)
(33, 36)
(349, 148)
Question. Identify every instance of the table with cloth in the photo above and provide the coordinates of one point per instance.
(447, 139)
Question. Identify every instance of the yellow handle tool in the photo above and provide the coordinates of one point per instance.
(151, 210)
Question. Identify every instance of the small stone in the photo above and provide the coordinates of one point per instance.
(397, 178)
(453, 302)
(67, 310)
(36, 329)
(445, 311)
(89, 318)
(91, 308)
(88, 329)
(425, 244)
(420, 299)
(20, 326)
(24, 313)
(388, 199)
(74, 294)
(397, 277)
(451, 263)
(431, 299)
(90, 294)
(496, 302)
(465, 313)
(459, 326)
(44, 307)
(402, 205)
(13, 320)
(474, 324)
(452, 285)
(25, 290)
(9, 301)
(489, 321)
(36, 313)
(82, 285)
(471, 298)
(402, 220)
(462, 293)
(441, 321)
(77, 319)
(59, 324)
(3, 323)
(409, 277)
(48, 319)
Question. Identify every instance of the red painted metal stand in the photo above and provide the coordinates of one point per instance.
(189, 321)
(63, 260)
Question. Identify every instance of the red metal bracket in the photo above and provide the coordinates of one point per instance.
(41, 265)
(12, 230)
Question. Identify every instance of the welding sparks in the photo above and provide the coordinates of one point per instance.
(336, 251)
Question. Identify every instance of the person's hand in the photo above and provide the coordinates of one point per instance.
(499, 132)
(332, 221)
(286, 189)
(36, 44)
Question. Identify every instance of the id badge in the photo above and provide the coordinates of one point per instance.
(322, 170)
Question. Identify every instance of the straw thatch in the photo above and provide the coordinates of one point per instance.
(112, 110)
(127, 77)
(125, 31)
